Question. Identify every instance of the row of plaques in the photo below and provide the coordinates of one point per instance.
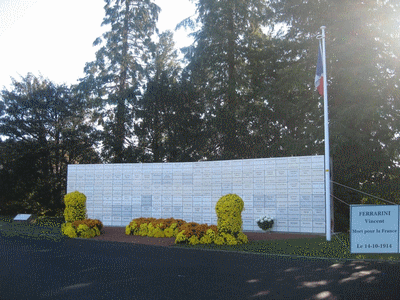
(290, 189)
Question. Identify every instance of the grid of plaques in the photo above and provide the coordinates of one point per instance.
(289, 189)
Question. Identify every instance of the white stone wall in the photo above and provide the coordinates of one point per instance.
(289, 189)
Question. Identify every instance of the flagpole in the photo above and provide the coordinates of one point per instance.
(326, 137)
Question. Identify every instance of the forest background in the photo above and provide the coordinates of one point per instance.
(244, 89)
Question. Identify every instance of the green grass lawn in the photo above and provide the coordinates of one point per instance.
(41, 228)
(338, 248)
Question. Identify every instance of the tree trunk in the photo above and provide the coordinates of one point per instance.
(121, 109)
(231, 60)
(231, 106)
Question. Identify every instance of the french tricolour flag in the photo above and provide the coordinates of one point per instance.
(319, 76)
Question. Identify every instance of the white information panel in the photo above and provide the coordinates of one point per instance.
(22, 217)
(374, 228)
(290, 189)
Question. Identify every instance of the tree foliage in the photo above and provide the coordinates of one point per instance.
(119, 71)
(44, 126)
(362, 64)
(254, 104)
(229, 32)
(170, 126)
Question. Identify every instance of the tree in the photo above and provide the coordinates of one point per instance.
(164, 60)
(363, 86)
(234, 64)
(19, 173)
(118, 73)
(45, 129)
(170, 124)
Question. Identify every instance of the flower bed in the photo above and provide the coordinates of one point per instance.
(87, 228)
(184, 232)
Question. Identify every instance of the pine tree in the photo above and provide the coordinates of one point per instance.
(233, 64)
(118, 74)
(170, 125)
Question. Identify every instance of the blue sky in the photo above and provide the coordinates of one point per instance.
(54, 37)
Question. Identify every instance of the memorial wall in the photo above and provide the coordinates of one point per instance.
(290, 189)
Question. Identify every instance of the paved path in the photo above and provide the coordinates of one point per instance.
(87, 269)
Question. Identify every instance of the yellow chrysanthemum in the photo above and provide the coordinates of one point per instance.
(219, 240)
(150, 230)
(68, 230)
(133, 225)
(206, 240)
(181, 237)
(143, 231)
(228, 209)
(75, 206)
(242, 238)
(128, 230)
(86, 234)
(96, 231)
(231, 241)
(158, 233)
(176, 231)
(82, 228)
(194, 240)
(169, 232)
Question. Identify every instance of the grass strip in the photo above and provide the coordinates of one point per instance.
(42, 228)
(337, 248)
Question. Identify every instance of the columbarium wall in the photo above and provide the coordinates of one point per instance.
(290, 189)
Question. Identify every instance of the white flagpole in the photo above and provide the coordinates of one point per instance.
(326, 137)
